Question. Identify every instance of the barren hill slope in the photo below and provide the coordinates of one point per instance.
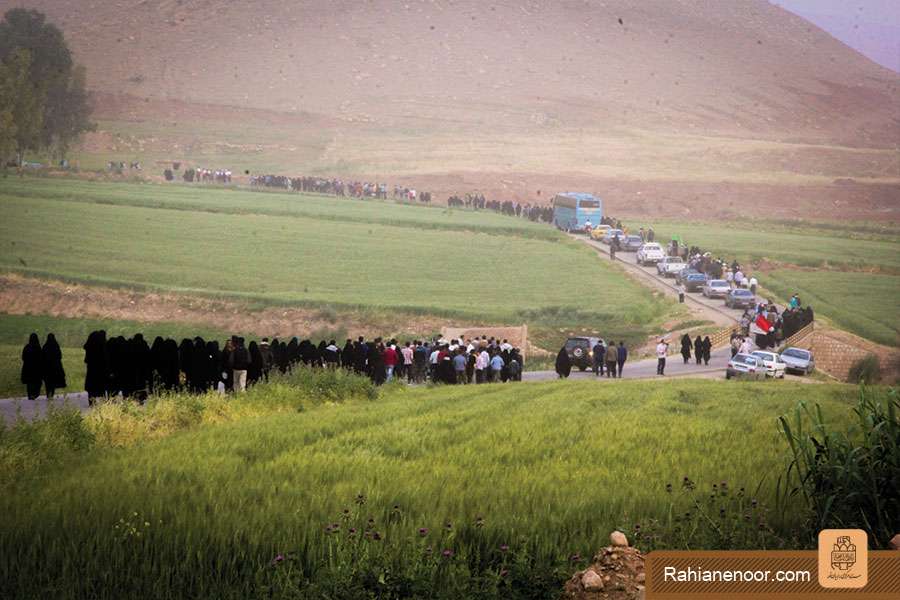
(733, 66)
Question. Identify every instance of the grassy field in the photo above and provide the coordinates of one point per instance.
(547, 469)
(480, 267)
(863, 303)
(850, 274)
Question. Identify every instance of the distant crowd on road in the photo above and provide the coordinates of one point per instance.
(133, 368)
(201, 175)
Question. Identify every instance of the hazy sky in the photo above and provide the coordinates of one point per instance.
(872, 27)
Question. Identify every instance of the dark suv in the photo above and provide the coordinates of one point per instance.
(581, 351)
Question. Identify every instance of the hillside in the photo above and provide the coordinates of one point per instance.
(616, 90)
(724, 66)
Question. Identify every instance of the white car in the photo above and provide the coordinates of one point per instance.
(716, 288)
(651, 252)
(670, 265)
(775, 367)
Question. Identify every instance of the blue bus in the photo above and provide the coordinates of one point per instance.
(572, 210)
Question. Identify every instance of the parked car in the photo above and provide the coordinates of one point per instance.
(581, 351)
(649, 253)
(599, 232)
(680, 275)
(693, 282)
(740, 298)
(670, 265)
(745, 366)
(798, 360)
(631, 243)
(611, 234)
(716, 288)
(775, 367)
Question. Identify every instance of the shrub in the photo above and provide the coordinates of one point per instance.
(848, 480)
(28, 445)
(865, 370)
(715, 518)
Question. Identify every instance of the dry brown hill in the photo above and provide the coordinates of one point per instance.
(690, 90)
(733, 66)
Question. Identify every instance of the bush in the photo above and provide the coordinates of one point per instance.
(716, 518)
(848, 480)
(27, 446)
(865, 370)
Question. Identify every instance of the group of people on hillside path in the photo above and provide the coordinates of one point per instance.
(135, 369)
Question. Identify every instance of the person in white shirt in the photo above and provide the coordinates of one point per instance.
(739, 278)
(753, 284)
(482, 360)
(729, 277)
(746, 346)
(505, 346)
(662, 349)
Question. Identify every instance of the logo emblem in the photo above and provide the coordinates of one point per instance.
(843, 558)
(843, 554)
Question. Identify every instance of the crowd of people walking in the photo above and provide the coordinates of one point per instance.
(135, 369)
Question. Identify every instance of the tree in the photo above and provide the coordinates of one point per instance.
(54, 82)
(21, 111)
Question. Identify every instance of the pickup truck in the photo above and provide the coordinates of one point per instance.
(649, 253)
(670, 265)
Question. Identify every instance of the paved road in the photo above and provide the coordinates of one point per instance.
(646, 368)
(713, 309)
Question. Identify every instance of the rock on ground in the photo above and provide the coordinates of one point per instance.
(615, 573)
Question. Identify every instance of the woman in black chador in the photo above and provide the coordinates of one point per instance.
(563, 364)
(54, 374)
(698, 349)
(96, 379)
(33, 366)
(686, 348)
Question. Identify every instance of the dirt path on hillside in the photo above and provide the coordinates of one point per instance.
(26, 296)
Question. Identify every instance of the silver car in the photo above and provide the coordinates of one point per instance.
(745, 366)
(716, 288)
(798, 360)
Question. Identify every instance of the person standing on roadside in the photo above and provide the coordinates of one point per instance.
(563, 364)
(599, 350)
(662, 349)
(265, 353)
(621, 356)
(54, 374)
(33, 367)
(612, 357)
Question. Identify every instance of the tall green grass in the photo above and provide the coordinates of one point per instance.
(507, 478)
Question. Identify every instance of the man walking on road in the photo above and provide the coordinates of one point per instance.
(611, 357)
(599, 351)
(622, 356)
(662, 349)
(239, 362)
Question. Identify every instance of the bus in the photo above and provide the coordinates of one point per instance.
(573, 210)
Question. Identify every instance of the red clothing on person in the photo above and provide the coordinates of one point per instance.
(390, 357)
